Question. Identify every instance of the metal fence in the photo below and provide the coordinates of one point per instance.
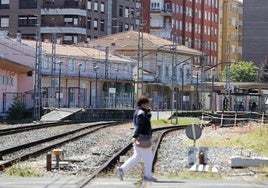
(103, 115)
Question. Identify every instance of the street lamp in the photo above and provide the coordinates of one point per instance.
(117, 69)
(60, 63)
(79, 77)
(156, 81)
(133, 95)
(96, 82)
(182, 84)
(212, 97)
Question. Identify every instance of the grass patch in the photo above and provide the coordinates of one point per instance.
(181, 121)
(22, 171)
(254, 139)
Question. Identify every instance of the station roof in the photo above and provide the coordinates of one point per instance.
(76, 51)
(243, 85)
(6, 64)
(128, 40)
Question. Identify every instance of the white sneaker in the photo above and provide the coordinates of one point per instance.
(150, 178)
(120, 173)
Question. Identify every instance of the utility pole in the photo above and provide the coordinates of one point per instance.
(139, 14)
(227, 83)
(37, 76)
(203, 76)
(52, 72)
(106, 62)
(174, 75)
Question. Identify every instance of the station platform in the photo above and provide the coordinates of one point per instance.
(59, 114)
(74, 182)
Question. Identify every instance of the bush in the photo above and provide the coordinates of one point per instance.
(17, 109)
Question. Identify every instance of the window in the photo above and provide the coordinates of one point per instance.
(155, 6)
(27, 4)
(46, 64)
(9, 80)
(4, 4)
(126, 12)
(71, 94)
(102, 25)
(132, 13)
(120, 25)
(71, 20)
(67, 39)
(126, 27)
(121, 11)
(71, 65)
(102, 7)
(71, 4)
(75, 39)
(27, 21)
(166, 72)
(89, 5)
(89, 23)
(83, 66)
(4, 21)
(95, 24)
(96, 6)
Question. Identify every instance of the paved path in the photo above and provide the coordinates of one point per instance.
(12, 182)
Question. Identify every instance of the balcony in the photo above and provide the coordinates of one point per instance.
(163, 11)
(49, 4)
(64, 30)
(64, 11)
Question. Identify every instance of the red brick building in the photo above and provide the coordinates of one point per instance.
(193, 23)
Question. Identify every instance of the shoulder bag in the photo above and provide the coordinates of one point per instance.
(144, 141)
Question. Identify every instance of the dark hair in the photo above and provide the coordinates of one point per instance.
(142, 100)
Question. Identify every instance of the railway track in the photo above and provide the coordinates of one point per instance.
(103, 153)
(110, 164)
(19, 129)
(32, 149)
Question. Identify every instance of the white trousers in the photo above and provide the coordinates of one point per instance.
(146, 154)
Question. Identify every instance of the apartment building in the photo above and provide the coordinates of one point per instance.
(255, 35)
(231, 31)
(69, 21)
(193, 23)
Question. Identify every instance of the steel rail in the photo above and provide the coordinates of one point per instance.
(47, 148)
(113, 160)
(14, 130)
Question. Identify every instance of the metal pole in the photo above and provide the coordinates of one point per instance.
(182, 85)
(133, 97)
(96, 92)
(37, 75)
(139, 14)
(197, 91)
(96, 84)
(115, 85)
(115, 90)
(177, 103)
(79, 66)
(213, 94)
(59, 85)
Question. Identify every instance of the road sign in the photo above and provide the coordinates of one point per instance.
(193, 132)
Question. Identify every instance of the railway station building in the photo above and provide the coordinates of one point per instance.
(16, 70)
(104, 74)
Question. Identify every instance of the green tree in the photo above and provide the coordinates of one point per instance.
(264, 70)
(17, 109)
(243, 71)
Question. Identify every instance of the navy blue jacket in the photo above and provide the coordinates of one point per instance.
(141, 122)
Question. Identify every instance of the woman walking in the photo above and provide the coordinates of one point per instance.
(142, 128)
